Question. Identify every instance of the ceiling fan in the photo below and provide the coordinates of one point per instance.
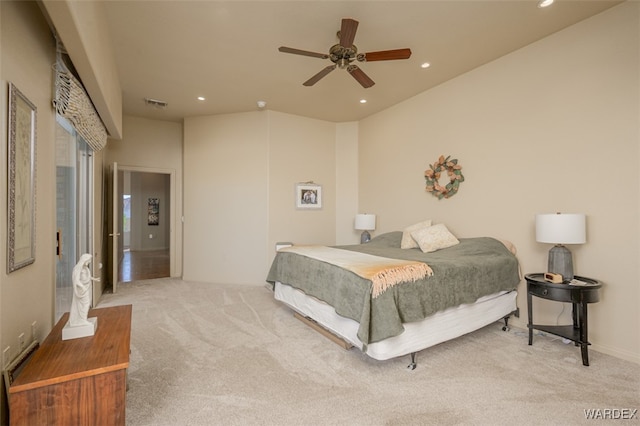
(345, 53)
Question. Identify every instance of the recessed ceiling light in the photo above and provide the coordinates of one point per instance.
(363, 101)
(201, 98)
(545, 3)
(425, 65)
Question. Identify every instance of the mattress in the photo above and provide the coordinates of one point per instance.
(437, 328)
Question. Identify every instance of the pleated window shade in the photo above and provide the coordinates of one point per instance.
(72, 102)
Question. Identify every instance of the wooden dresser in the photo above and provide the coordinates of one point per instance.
(76, 382)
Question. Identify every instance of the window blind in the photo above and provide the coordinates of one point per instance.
(73, 103)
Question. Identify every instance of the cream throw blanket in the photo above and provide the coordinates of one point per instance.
(383, 272)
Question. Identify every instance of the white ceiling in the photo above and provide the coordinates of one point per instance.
(175, 51)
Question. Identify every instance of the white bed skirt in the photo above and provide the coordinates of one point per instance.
(437, 328)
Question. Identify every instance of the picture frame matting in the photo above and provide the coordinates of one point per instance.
(308, 196)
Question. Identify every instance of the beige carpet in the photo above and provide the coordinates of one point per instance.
(208, 354)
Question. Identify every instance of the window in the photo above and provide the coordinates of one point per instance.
(74, 208)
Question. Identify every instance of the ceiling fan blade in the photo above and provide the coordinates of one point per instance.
(360, 76)
(284, 49)
(388, 55)
(348, 32)
(313, 80)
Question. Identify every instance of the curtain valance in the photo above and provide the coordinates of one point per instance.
(73, 103)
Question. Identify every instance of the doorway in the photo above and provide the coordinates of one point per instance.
(146, 230)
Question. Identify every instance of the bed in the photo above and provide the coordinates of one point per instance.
(457, 290)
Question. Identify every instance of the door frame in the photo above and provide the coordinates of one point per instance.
(172, 207)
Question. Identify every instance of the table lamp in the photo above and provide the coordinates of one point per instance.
(365, 223)
(560, 229)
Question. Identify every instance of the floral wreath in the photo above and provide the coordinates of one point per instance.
(435, 172)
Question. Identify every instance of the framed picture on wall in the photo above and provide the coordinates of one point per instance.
(153, 212)
(21, 239)
(308, 196)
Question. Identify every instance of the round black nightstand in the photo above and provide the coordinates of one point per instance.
(582, 292)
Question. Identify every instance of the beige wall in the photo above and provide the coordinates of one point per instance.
(300, 150)
(551, 127)
(225, 197)
(26, 54)
(154, 146)
(347, 183)
(240, 177)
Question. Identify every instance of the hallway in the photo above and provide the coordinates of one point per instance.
(144, 265)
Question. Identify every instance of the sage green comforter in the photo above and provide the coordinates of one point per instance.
(461, 274)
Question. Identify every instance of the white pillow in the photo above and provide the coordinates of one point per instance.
(407, 240)
(434, 238)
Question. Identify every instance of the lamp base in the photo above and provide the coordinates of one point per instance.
(365, 237)
(561, 262)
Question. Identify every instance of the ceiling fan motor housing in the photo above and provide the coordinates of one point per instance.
(343, 56)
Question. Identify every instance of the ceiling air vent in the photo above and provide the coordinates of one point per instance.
(155, 103)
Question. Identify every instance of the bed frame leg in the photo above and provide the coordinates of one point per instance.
(505, 327)
(413, 364)
(506, 319)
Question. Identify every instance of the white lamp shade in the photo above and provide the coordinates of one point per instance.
(365, 222)
(561, 228)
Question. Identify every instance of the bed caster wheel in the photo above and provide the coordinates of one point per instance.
(505, 328)
(413, 364)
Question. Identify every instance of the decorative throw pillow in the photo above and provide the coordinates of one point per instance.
(434, 238)
(407, 240)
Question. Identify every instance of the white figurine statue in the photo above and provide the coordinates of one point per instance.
(81, 301)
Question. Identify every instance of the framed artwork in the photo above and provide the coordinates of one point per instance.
(308, 196)
(153, 212)
(21, 250)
